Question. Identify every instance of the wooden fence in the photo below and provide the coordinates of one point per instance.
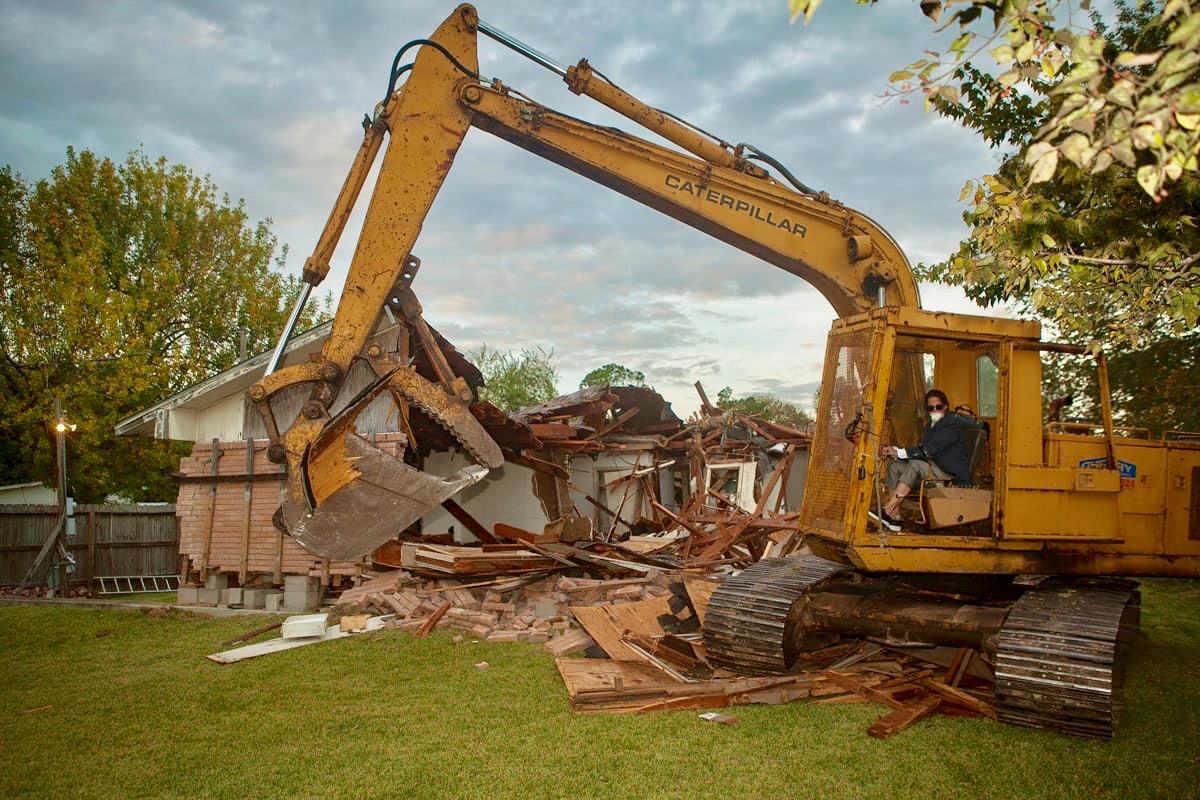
(108, 540)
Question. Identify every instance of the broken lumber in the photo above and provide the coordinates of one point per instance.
(903, 717)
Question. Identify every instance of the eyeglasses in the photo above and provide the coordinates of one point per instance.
(937, 407)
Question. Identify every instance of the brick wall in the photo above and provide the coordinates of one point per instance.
(235, 546)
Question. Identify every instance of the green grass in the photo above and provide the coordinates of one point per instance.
(142, 597)
(137, 711)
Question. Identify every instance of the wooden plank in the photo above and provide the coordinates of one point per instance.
(699, 589)
(212, 509)
(278, 645)
(958, 697)
(851, 685)
(248, 501)
(433, 620)
(903, 717)
(607, 624)
(624, 417)
(584, 675)
(552, 430)
(573, 641)
(537, 464)
(251, 634)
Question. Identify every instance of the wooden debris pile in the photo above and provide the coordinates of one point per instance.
(729, 504)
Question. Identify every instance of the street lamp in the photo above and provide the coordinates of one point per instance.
(56, 578)
(66, 562)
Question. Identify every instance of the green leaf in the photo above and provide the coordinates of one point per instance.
(1121, 94)
(1188, 28)
(1077, 148)
(1149, 177)
(1172, 8)
(1048, 240)
(899, 75)
(1003, 54)
(1128, 59)
(1101, 162)
(1123, 151)
(1042, 160)
(805, 7)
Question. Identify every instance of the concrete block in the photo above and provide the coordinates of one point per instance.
(255, 598)
(218, 581)
(188, 596)
(301, 593)
(274, 601)
(208, 597)
(232, 597)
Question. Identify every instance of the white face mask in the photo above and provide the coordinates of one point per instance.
(935, 417)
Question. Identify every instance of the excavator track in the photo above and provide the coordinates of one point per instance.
(1058, 664)
(745, 621)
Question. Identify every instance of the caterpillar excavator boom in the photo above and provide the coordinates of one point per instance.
(1078, 500)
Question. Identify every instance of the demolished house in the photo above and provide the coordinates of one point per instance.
(607, 465)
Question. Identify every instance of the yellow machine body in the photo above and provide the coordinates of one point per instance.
(1058, 498)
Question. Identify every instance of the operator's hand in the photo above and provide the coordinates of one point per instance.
(888, 451)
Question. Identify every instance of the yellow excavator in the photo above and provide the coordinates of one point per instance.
(1073, 503)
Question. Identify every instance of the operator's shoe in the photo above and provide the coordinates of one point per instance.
(883, 520)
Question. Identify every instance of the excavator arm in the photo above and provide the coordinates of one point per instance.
(345, 496)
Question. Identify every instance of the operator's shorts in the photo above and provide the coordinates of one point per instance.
(911, 471)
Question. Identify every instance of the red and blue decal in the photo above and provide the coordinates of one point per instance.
(1128, 470)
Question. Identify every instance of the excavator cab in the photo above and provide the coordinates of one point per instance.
(1046, 495)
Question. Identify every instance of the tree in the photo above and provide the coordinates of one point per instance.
(121, 284)
(613, 375)
(1087, 250)
(516, 381)
(1140, 107)
(766, 407)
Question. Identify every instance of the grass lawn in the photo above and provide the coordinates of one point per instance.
(142, 597)
(121, 704)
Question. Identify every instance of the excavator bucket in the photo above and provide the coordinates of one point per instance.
(376, 498)
(349, 496)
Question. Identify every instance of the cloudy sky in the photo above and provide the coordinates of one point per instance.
(266, 99)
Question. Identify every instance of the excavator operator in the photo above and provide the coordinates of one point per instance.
(942, 453)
